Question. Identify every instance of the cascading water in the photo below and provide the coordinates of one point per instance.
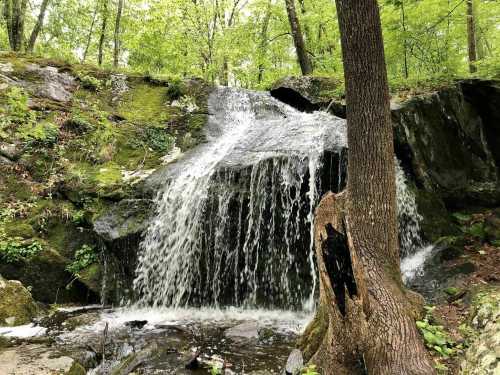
(234, 222)
(231, 224)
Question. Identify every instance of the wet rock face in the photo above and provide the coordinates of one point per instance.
(125, 219)
(483, 356)
(16, 304)
(441, 139)
(449, 140)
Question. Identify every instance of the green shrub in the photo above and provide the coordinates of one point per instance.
(435, 336)
(158, 139)
(84, 257)
(42, 133)
(90, 83)
(14, 249)
(175, 90)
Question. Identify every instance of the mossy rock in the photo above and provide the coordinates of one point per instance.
(17, 306)
(91, 277)
(76, 369)
(46, 274)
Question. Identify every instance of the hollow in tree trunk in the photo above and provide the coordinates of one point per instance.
(365, 321)
(298, 39)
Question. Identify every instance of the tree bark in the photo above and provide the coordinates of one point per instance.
(38, 26)
(471, 36)
(14, 12)
(298, 39)
(89, 36)
(116, 52)
(102, 38)
(365, 321)
(264, 41)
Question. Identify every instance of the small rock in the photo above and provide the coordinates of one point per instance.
(139, 324)
(247, 330)
(10, 151)
(294, 363)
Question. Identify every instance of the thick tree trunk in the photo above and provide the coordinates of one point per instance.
(116, 52)
(471, 36)
(38, 26)
(102, 38)
(298, 38)
(14, 12)
(366, 319)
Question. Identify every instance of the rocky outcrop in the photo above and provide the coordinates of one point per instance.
(483, 355)
(447, 141)
(17, 306)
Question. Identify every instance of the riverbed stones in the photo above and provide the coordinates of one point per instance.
(31, 359)
(17, 306)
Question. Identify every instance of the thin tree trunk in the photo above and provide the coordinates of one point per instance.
(471, 37)
(298, 39)
(38, 26)
(365, 321)
(103, 32)
(264, 41)
(89, 37)
(116, 53)
(405, 42)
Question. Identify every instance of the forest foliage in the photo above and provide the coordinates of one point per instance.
(248, 43)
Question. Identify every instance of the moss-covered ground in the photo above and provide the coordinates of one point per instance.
(63, 164)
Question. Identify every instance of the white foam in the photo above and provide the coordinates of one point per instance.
(24, 331)
(413, 265)
(285, 321)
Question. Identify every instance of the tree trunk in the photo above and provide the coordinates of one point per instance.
(89, 37)
(116, 52)
(102, 38)
(14, 12)
(264, 41)
(365, 322)
(405, 42)
(38, 26)
(471, 37)
(298, 38)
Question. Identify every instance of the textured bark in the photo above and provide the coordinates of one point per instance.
(366, 318)
(116, 52)
(89, 36)
(14, 12)
(471, 36)
(38, 26)
(298, 38)
(264, 41)
(102, 38)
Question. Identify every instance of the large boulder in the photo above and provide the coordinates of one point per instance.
(46, 274)
(17, 306)
(440, 137)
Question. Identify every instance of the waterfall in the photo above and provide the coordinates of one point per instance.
(234, 221)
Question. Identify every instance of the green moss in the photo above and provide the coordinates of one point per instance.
(144, 104)
(19, 229)
(76, 369)
(91, 276)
